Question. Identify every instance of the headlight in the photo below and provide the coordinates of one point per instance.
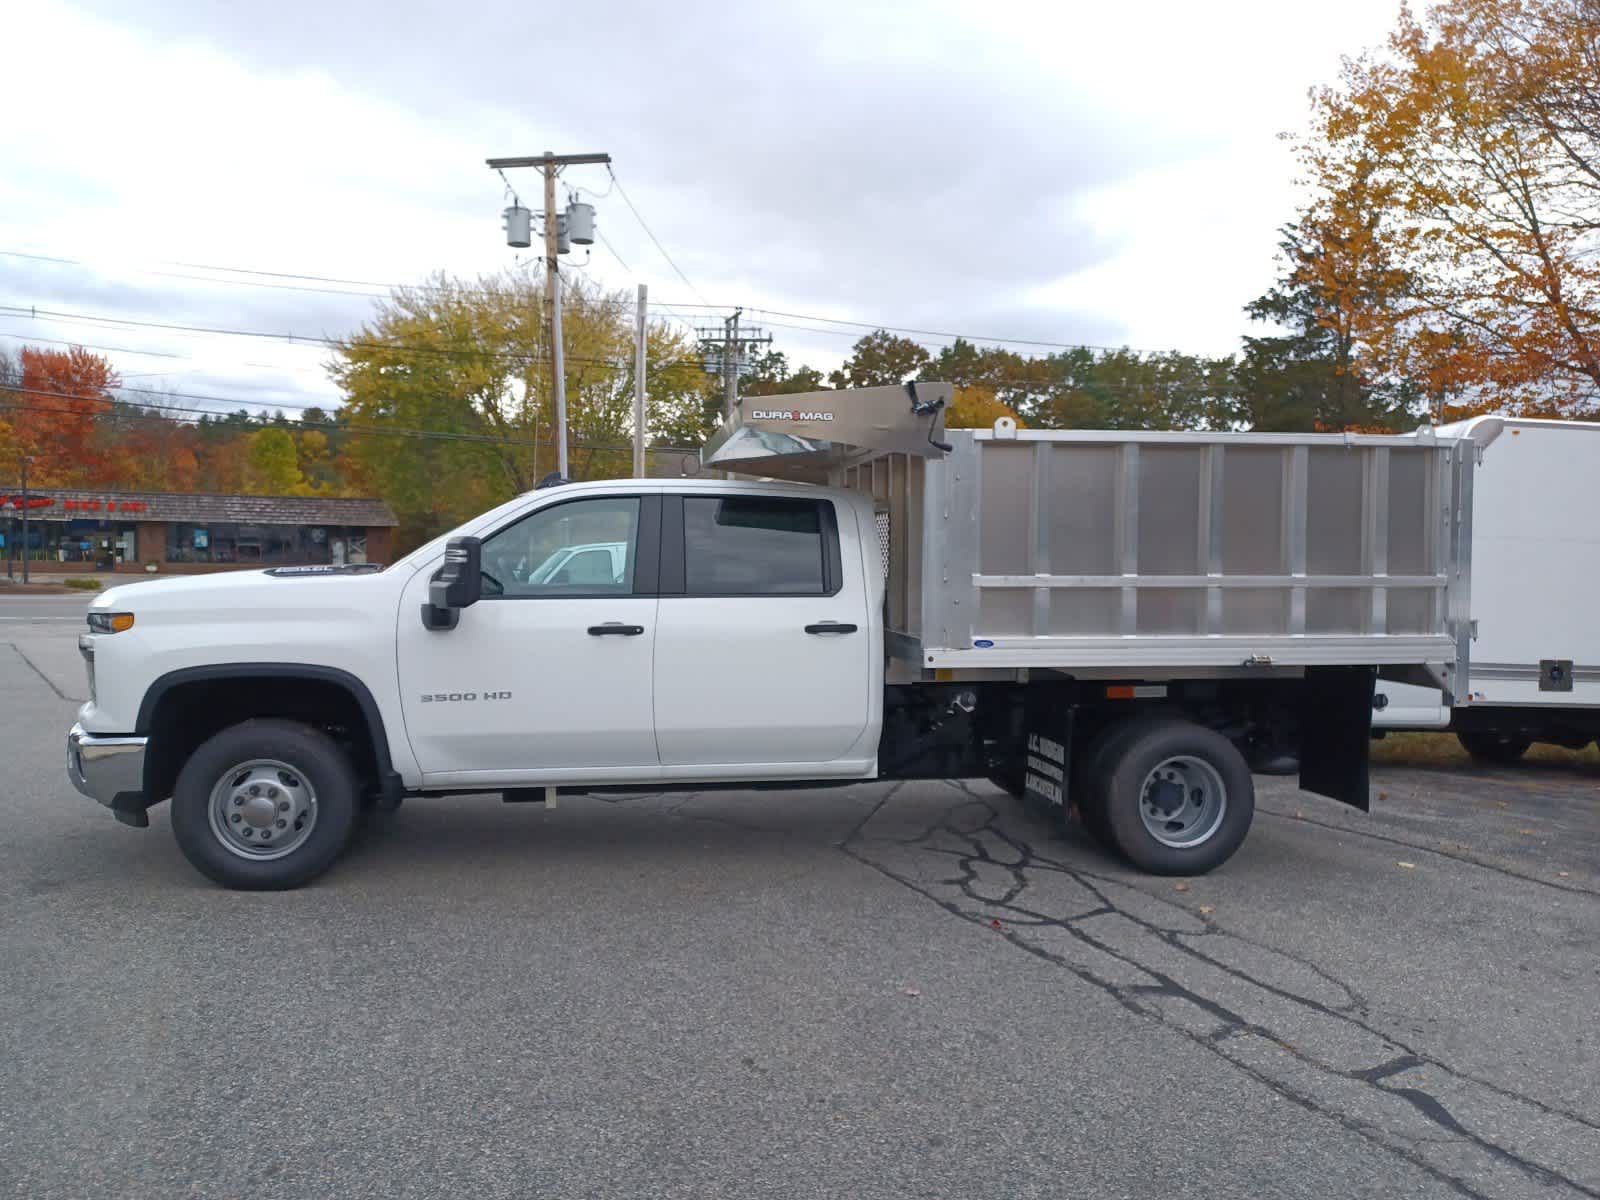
(104, 622)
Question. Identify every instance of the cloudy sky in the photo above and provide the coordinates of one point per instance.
(1052, 172)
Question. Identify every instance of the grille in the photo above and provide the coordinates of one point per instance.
(881, 520)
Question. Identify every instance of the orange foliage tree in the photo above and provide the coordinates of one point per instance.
(976, 408)
(59, 396)
(1457, 203)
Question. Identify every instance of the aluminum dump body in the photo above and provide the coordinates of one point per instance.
(1174, 553)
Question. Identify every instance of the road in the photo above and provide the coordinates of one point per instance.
(872, 991)
(45, 610)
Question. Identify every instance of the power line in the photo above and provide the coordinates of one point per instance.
(814, 317)
(611, 248)
(158, 413)
(94, 320)
(623, 192)
(21, 337)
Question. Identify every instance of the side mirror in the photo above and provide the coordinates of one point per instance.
(458, 584)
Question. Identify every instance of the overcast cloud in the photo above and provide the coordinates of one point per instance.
(1057, 172)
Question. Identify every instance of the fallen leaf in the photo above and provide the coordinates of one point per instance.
(1561, 874)
(1180, 887)
(1526, 832)
(1207, 909)
(995, 923)
(1383, 795)
(1407, 866)
(910, 991)
(1299, 815)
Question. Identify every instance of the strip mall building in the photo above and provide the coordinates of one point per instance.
(129, 531)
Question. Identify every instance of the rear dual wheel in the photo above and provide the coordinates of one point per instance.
(1170, 796)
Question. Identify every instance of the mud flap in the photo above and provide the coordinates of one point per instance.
(1336, 732)
(1047, 753)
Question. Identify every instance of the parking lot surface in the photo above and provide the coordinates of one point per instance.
(879, 990)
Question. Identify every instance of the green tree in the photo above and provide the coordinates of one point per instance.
(880, 358)
(468, 363)
(770, 375)
(272, 467)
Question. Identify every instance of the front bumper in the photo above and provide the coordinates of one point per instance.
(109, 769)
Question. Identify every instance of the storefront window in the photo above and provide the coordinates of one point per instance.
(97, 542)
(255, 545)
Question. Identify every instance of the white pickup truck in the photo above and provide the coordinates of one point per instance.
(1116, 623)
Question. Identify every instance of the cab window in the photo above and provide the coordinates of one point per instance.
(581, 548)
(757, 546)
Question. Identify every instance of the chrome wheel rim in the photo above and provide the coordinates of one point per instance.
(1182, 801)
(262, 809)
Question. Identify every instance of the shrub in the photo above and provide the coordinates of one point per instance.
(84, 584)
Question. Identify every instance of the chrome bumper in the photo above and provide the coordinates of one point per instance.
(110, 770)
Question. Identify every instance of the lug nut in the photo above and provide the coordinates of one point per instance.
(283, 806)
(248, 832)
(255, 789)
(236, 818)
(282, 824)
(265, 834)
(272, 792)
(238, 799)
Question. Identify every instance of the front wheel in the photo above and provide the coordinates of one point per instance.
(1502, 749)
(1176, 797)
(265, 805)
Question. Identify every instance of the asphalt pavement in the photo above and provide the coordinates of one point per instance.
(873, 991)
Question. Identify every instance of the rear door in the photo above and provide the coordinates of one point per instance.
(762, 633)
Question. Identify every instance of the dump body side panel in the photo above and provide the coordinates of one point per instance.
(1096, 550)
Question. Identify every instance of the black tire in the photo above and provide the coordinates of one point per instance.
(1126, 763)
(1499, 749)
(1091, 770)
(311, 754)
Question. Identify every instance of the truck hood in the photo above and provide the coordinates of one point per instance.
(278, 588)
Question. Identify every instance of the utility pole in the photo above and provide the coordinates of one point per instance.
(552, 295)
(730, 366)
(640, 345)
(730, 345)
(25, 461)
(551, 164)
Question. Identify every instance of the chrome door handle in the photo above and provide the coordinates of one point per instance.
(615, 629)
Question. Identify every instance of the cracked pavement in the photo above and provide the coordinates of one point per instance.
(885, 990)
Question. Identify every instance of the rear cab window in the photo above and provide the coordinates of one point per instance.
(759, 546)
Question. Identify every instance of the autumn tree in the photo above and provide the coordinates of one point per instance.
(975, 408)
(1316, 372)
(151, 446)
(57, 397)
(1465, 158)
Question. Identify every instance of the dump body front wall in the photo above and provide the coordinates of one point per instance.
(1102, 549)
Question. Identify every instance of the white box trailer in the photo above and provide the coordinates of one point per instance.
(1532, 673)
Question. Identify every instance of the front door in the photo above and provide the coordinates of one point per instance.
(551, 670)
(763, 635)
